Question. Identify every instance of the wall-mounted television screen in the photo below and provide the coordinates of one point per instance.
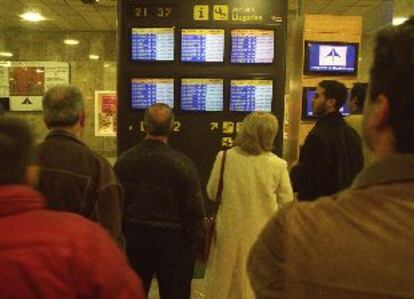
(202, 45)
(148, 91)
(201, 94)
(252, 46)
(307, 98)
(331, 58)
(251, 95)
(152, 44)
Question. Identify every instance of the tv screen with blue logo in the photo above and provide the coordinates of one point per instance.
(307, 98)
(333, 58)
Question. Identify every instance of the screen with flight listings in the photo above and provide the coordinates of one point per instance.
(337, 58)
(201, 95)
(152, 44)
(148, 91)
(252, 46)
(308, 94)
(202, 45)
(251, 95)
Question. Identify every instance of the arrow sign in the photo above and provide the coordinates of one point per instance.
(27, 102)
(333, 54)
(214, 126)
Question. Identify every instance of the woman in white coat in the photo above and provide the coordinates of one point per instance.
(256, 184)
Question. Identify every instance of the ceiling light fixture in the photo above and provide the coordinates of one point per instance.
(5, 63)
(398, 20)
(32, 16)
(71, 42)
(93, 56)
(6, 54)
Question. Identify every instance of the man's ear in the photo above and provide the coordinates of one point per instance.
(331, 103)
(82, 118)
(380, 116)
(32, 175)
(47, 126)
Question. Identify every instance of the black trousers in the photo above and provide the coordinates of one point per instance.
(164, 253)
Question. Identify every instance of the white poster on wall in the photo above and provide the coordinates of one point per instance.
(25, 82)
(105, 113)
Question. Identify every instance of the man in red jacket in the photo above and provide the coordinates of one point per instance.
(46, 254)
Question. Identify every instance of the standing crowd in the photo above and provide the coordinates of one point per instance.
(337, 224)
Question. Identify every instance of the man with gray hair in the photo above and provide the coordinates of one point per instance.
(164, 209)
(74, 178)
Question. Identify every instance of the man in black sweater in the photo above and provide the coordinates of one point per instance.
(332, 154)
(164, 209)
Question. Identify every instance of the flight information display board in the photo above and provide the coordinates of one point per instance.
(148, 91)
(252, 46)
(201, 95)
(152, 44)
(202, 45)
(251, 95)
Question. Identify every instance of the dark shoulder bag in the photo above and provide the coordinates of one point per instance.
(210, 222)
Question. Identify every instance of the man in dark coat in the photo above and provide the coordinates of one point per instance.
(74, 178)
(164, 209)
(332, 154)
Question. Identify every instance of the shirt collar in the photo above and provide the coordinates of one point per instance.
(16, 199)
(332, 116)
(396, 168)
(64, 133)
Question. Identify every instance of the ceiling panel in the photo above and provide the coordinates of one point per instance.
(73, 15)
(61, 15)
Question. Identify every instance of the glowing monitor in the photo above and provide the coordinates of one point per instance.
(307, 98)
(148, 91)
(202, 45)
(152, 44)
(251, 95)
(201, 95)
(332, 58)
(252, 46)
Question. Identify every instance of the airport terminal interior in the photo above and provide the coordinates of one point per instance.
(199, 66)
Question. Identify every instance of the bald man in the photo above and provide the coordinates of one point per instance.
(164, 210)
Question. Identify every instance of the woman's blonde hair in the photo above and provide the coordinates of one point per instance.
(257, 133)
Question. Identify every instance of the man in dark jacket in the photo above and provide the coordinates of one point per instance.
(48, 254)
(74, 178)
(332, 154)
(163, 207)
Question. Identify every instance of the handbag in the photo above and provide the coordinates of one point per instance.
(210, 222)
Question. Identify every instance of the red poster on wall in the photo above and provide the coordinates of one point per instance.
(105, 113)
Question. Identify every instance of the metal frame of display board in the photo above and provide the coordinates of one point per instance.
(200, 135)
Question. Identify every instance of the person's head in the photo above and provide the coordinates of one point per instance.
(330, 96)
(257, 133)
(388, 122)
(158, 120)
(358, 95)
(63, 107)
(16, 150)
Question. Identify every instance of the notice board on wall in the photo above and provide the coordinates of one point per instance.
(25, 82)
(213, 61)
(105, 113)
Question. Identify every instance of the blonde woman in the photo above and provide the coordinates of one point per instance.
(256, 184)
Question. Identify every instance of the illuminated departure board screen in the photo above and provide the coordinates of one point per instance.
(202, 45)
(252, 46)
(201, 95)
(145, 92)
(152, 44)
(251, 95)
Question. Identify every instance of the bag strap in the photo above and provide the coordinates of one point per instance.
(221, 181)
